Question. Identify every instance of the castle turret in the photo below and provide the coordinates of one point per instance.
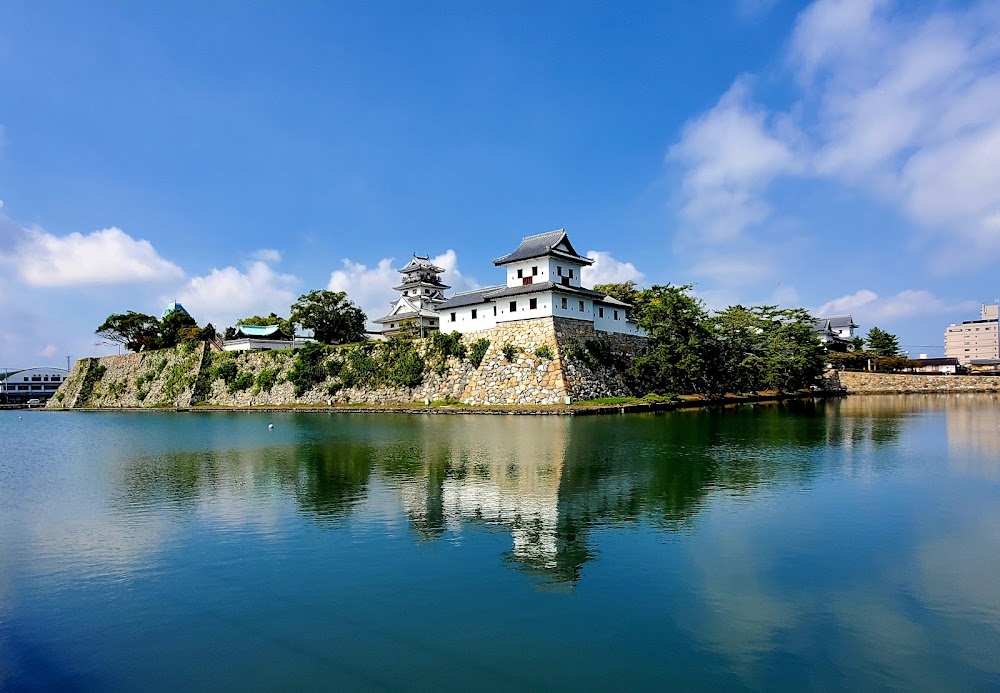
(421, 291)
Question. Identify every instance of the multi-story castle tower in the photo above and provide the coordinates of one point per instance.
(420, 293)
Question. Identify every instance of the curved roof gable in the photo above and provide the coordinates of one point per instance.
(551, 243)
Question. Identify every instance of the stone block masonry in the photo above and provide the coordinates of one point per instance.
(855, 383)
(510, 373)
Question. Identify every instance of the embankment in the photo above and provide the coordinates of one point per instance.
(528, 362)
(859, 383)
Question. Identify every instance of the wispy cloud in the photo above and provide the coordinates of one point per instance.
(897, 101)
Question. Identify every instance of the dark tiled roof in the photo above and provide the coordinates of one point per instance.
(543, 286)
(543, 244)
(417, 283)
(421, 262)
(936, 361)
(469, 298)
(834, 322)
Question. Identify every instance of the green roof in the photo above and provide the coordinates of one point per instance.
(261, 330)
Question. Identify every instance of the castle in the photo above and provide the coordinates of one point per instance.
(543, 280)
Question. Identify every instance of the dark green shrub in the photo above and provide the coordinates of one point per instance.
(243, 381)
(478, 351)
(544, 352)
(266, 379)
(509, 351)
(225, 371)
(576, 351)
(308, 369)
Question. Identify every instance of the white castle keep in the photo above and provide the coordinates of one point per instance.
(543, 280)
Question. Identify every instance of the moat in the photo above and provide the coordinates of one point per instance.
(837, 544)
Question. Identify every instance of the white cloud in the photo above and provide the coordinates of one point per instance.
(108, 256)
(897, 100)
(49, 351)
(607, 270)
(730, 154)
(371, 287)
(866, 305)
(225, 295)
(1, 204)
(268, 255)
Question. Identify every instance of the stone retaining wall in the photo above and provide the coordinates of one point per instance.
(180, 378)
(883, 383)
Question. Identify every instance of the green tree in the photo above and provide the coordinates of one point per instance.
(739, 335)
(171, 327)
(332, 317)
(623, 291)
(882, 343)
(272, 319)
(229, 333)
(680, 345)
(135, 331)
(793, 356)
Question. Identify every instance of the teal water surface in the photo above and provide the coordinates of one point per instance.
(845, 544)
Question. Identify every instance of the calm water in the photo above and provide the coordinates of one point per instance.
(850, 544)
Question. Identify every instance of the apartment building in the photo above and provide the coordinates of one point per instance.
(975, 339)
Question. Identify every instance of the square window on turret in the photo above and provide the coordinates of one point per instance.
(453, 317)
(534, 271)
(513, 306)
(533, 303)
(474, 313)
(564, 303)
(570, 272)
(520, 274)
(559, 270)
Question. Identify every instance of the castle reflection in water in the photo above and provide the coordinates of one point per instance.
(551, 481)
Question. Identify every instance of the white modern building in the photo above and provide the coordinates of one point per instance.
(19, 387)
(542, 280)
(975, 339)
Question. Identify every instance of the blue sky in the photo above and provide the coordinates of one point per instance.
(841, 156)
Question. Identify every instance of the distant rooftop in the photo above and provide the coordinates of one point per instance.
(554, 243)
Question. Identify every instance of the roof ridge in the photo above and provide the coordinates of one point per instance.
(544, 233)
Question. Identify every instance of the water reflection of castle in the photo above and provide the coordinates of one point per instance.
(494, 478)
(548, 481)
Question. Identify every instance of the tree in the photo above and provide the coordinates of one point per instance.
(624, 291)
(739, 335)
(680, 346)
(272, 319)
(793, 357)
(230, 333)
(332, 317)
(135, 331)
(171, 327)
(884, 344)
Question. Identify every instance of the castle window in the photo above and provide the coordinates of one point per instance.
(559, 270)
(392, 325)
(513, 306)
(520, 274)
(534, 271)
(616, 315)
(474, 312)
(600, 312)
(570, 272)
(494, 311)
(453, 317)
(564, 303)
(581, 306)
(533, 303)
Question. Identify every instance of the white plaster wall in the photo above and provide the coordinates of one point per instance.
(463, 318)
(548, 271)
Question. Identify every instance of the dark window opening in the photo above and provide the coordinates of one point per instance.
(474, 311)
(616, 315)
(520, 273)
(600, 312)
(533, 303)
(581, 306)
(534, 271)
(564, 304)
(453, 317)
(570, 272)
(559, 270)
(513, 306)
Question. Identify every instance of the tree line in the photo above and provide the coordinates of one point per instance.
(330, 315)
(736, 350)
